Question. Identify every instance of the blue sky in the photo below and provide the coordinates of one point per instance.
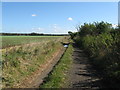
(51, 17)
(119, 13)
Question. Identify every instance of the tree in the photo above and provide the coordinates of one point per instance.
(72, 34)
(103, 27)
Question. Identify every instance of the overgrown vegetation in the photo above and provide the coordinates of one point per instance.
(20, 62)
(102, 44)
(58, 77)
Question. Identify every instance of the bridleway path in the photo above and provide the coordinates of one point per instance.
(82, 75)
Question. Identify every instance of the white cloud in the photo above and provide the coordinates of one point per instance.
(54, 27)
(54, 24)
(114, 25)
(33, 15)
(38, 29)
(70, 19)
(72, 30)
(57, 29)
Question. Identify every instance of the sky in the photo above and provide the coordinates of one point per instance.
(119, 13)
(55, 17)
(59, 0)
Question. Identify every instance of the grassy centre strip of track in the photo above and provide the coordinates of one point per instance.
(58, 78)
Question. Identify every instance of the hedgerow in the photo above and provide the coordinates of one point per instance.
(102, 44)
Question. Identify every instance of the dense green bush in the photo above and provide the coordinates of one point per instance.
(95, 28)
(102, 43)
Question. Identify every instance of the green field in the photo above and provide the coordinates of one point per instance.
(8, 41)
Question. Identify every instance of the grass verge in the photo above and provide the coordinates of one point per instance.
(58, 77)
(18, 64)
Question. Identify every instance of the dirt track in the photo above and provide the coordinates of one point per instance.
(37, 77)
(81, 75)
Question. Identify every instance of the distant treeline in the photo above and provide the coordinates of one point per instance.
(30, 34)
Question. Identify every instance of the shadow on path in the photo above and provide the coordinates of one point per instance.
(81, 74)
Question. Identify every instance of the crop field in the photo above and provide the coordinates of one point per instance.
(22, 56)
(8, 41)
